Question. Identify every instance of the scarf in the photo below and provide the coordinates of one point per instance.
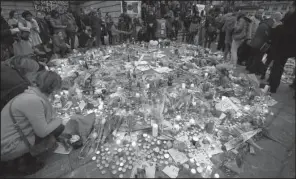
(49, 112)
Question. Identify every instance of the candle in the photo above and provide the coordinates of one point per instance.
(178, 117)
(147, 85)
(183, 85)
(192, 121)
(118, 142)
(97, 152)
(193, 103)
(199, 169)
(193, 171)
(137, 95)
(94, 158)
(192, 85)
(177, 127)
(155, 130)
(266, 88)
(206, 74)
(134, 143)
(166, 155)
(216, 175)
(145, 135)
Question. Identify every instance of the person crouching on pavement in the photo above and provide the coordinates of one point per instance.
(36, 128)
(59, 44)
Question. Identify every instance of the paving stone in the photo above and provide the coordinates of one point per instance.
(56, 168)
(261, 165)
(283, 129)
(272, 148)
(288, 170)
(76, 162)
(288, 109)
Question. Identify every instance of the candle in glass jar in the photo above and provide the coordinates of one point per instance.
(193, 171)
(183, 85)
(155, 130)
(216, 175)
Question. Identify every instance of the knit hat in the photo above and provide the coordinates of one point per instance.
(277, 16)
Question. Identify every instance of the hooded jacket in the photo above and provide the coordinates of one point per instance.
(34, 119)
(262, 34)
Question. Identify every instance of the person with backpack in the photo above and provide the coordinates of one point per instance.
(245, 49)
(282, 48)
(228, 26)
(238, 36)
(259, 45)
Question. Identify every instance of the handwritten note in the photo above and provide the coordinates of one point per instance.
(171, 171)
(201, 156)
(226, 104)
(82, 105)
(178, 157)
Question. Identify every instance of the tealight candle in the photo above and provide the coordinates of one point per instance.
(145, 135)
(178, 118)
(166, 156)
(199, 169)
(192, 121)
(216, 175)
(137, 95)
(192, 85)
(191, 160)
(206, 74)
(97, 152)
(193, 171)
(155, 130)
(193, 103)
(134, 144)
(94, 158)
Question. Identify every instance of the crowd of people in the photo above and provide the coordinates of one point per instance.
(28, 43)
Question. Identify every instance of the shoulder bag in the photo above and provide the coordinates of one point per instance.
(47, 144)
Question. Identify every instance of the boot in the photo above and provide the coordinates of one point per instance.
(28, 165)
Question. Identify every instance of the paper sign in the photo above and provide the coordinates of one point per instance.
(233, 143)
(82, 105)
(254, 79)
(150, 170)
(161, 32)
(178, 157)
(248, 135)
(163, 70)
(68, 105)
(62, 150)
(171, 171)
(201, 156)
(226, 104)
(222, 116)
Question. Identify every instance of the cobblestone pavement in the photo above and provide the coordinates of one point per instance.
(276, 160)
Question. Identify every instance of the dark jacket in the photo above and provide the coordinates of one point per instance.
(96, 25)
(187, 22)
(284, 38)
(44, 30)
(12, 84)
(6, 36)
(151, 19)
(262, 34)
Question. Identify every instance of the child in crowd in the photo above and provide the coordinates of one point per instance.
(59, 44)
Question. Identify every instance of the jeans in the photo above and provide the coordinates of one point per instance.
(221, 44)
(56, 133)
(234, 47)
(71, 36)
(150, 33)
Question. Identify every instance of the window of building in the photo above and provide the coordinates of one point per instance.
(266, 8)
(274, 8)
(284, 7)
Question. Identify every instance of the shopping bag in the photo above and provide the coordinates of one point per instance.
(264, 58)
